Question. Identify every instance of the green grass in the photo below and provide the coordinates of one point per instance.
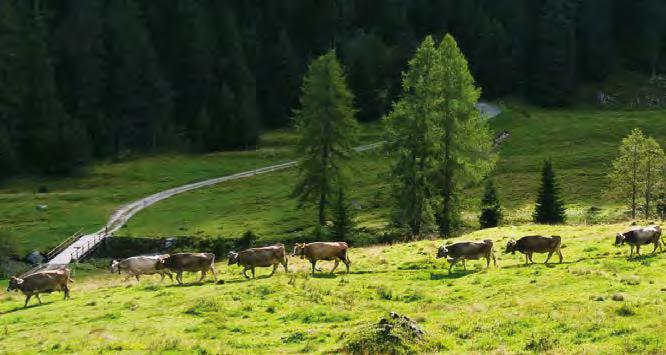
(582, 143)
(597, 301)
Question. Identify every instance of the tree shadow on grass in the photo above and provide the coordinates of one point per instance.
(324, 276)
(453, 275)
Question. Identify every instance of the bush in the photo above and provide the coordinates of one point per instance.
(9, 245)
(393, 335)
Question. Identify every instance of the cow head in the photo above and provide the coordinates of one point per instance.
(442, 252)
(162, 261)
(619, 239)
(14, 283)
(233, 258)
(299, 249)
(511, 246)
(114, 267)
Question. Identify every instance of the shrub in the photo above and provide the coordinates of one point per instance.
(9, 244)
(393, 335)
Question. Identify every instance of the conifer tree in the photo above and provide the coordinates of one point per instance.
(11, 87)
(549, 207)
(491, 211)
(464, 145)
(412, 141)
(327, 130)
(343, 220)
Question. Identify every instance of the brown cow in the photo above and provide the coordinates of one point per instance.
(191, 262)
(536, 244)
(640, 236)
(323, 251)
(260, 257)
(41, 282)
(467, 250)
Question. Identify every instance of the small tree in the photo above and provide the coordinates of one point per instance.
(549, 207)
(491, 211)
(343, 219)
(638, 172)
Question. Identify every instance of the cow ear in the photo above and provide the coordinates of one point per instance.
(18, 281)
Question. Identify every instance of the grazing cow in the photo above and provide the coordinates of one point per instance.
(536, 244)
(260, 257)
(323, 251)
(191, 262)
(41, 282)
(467, 250)
(640, 236)
(141, 265)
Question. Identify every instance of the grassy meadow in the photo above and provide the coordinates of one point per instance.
(582, 143)
(597, 301)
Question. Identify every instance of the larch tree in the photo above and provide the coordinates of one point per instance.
(413, 141)
(327, 130)
(465, 141)
(638, 172)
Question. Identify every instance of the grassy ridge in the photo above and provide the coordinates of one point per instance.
(561, 308)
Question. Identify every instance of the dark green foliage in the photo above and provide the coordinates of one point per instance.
(343, 219)
(549, 207)
(10, 245)
(327, 131)
(661, 206)
(491, 211)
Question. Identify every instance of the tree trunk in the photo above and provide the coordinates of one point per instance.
(445, 217)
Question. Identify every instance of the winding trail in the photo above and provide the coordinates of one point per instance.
(87, 242)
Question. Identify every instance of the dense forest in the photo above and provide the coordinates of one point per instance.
(90, 79)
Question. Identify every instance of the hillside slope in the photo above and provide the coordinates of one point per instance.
(597, 301)
(582, 143)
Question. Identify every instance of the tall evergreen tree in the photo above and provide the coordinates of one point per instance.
(413, 143)
(465, 141)
(79, 68)
(138, 100)
(10, 87)
(491, 211)
(327, 130)
(549, 207)
(52, 141)
(596, 47)
(555, 73)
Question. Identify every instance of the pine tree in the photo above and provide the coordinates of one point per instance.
(596, 43)
(491, 211)
(549, 207)
(52, 141)
(412, 141)
(327, 130)
(343, 220)
(465, 140)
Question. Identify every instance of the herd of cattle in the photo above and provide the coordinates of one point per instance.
(275, 255)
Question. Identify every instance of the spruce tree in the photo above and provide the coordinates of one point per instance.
(491, 211)
(343, 220)
(327, 130)
(52, 140)
(465, 152)
(138, 99)
(11, 86)
(549, 207)
(412, 142)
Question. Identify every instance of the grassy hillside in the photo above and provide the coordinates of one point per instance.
(581, 143)
(597, 301)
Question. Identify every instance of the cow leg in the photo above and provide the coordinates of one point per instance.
(559, 253)
(66, 291)
(275, 266)
(253, 276)
(494, 259)
(161, 277)
(313, 262)
(656, 244)
(335, 266)
(127, 278)
(526, 259)
(179, 277)
(27, 299)
(638, 249)
(284, 264)
(487, 261)
(532, 261)
(550, 253)
(212, 271)
(39, 299)
(245, 272)
(464, 264)
(137, 278)
(631, 250)
(452, 263)
(347, 263)
(203, 275)
(169, 274)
